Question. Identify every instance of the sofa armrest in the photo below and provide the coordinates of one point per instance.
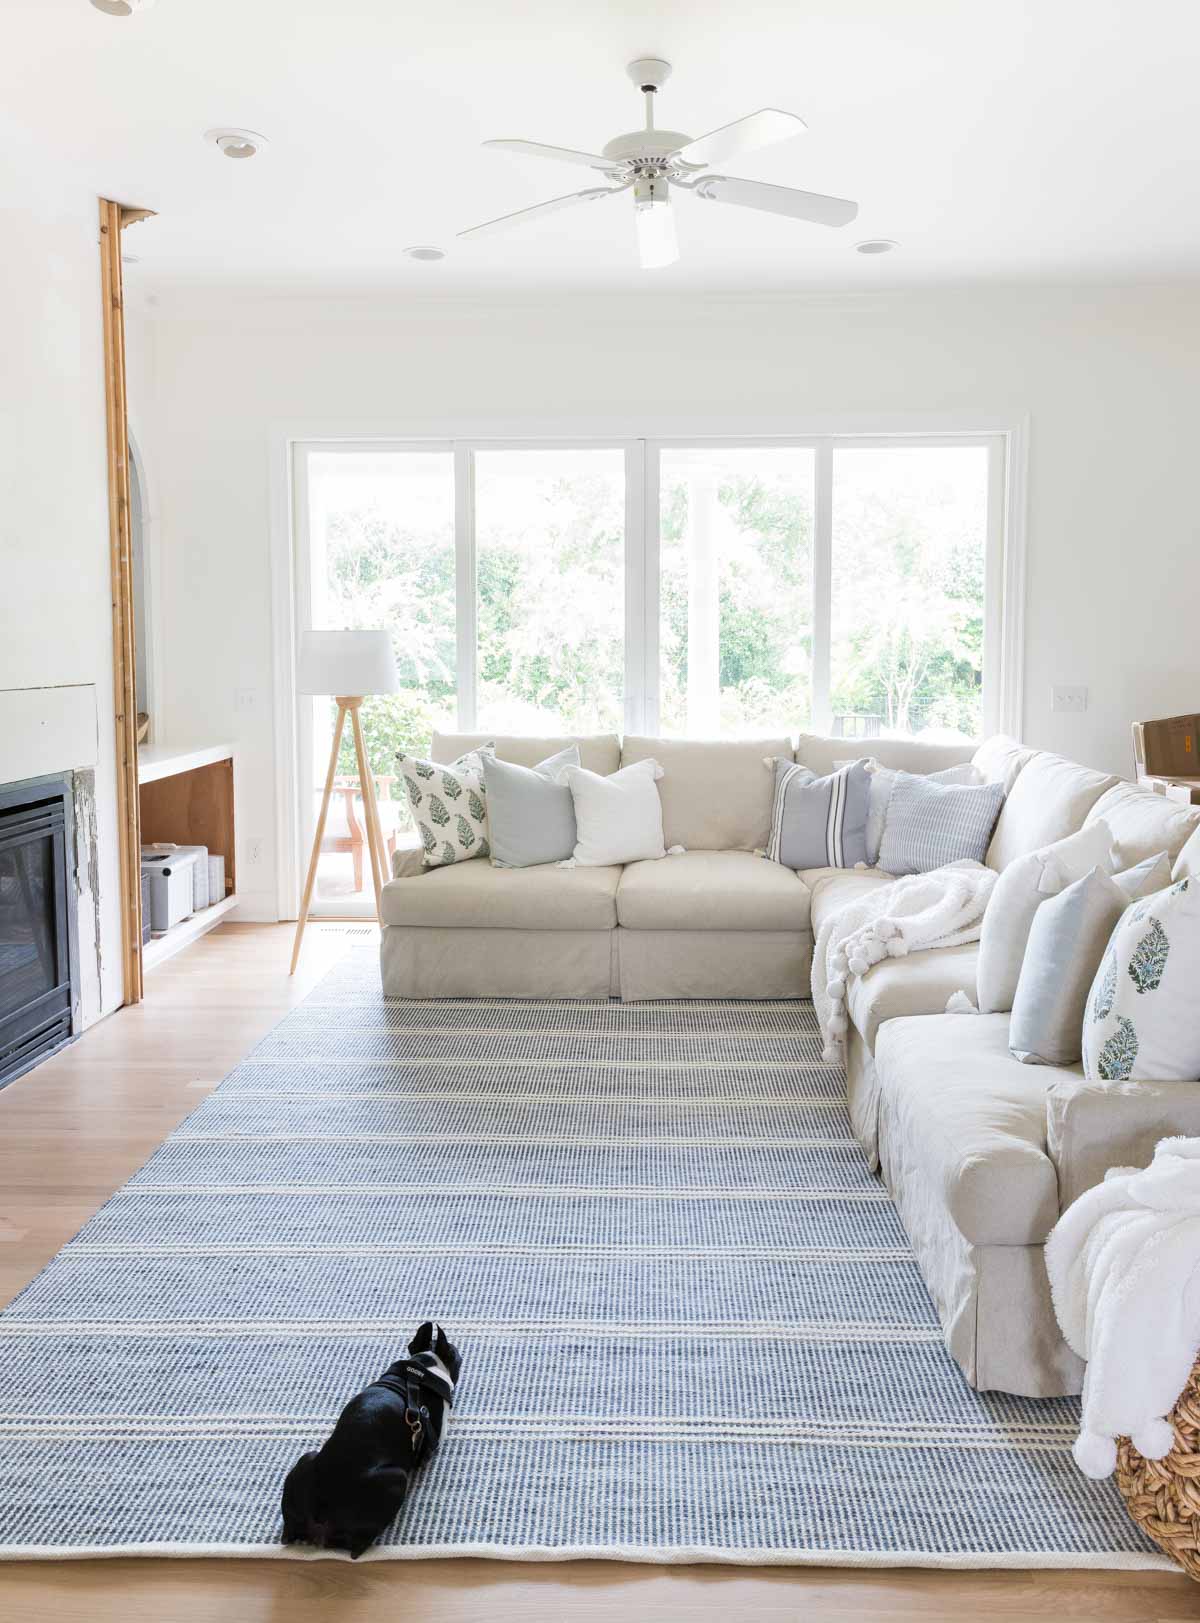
(408, 860)
(1091, 1126)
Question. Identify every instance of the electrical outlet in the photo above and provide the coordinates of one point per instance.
(245, 698)
(1071, 700)
(254, 850)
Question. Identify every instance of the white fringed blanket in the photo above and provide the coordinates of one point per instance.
(939, 909)
(1124, 1266)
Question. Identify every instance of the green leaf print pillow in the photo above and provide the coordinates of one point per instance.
(449, 805)
(1142, 1021)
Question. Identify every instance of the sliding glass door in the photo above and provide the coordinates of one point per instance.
(845, 584)
(550, 590)
(735, 590)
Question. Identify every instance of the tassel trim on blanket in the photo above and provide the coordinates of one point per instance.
(942, 908)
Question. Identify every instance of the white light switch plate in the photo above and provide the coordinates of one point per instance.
(1072, 700)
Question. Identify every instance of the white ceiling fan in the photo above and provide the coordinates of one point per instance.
(649, 162)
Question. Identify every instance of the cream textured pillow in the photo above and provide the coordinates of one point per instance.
(617, 818)
(1020, 890)
(1142, 1022)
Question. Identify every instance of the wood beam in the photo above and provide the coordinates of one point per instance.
(112, 217)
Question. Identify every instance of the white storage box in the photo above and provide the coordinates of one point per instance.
(172, 882)
(216, 880)
(200, 893)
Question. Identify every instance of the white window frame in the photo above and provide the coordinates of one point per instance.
(1004, 437)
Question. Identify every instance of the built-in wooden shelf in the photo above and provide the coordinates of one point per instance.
(186, 795)
(181, 935)
(157, 761)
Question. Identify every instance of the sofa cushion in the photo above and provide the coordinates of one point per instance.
(711, 890)
(1049, 800)
(598, 752)
(1143, 823)
(921, 983)
(716, 796)
(1000, 759)
(973, 1123)
(820, 755)
(832, 888)
(476, 896)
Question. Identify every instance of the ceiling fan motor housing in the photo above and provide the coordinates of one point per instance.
(648, 146)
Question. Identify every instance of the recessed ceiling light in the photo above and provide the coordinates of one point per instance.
(237, 143)
(875, 245)
(424, 252)
(122, 8)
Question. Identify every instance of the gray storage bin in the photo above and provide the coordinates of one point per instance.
(172, 885)
(216, 879)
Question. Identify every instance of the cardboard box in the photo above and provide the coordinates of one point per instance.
(1169, 748)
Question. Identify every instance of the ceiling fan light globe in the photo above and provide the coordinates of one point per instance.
(658, 245)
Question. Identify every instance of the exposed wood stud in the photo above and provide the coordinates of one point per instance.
(112, 216)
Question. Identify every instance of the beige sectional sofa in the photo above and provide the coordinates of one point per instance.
(714, 921)
(979, 1152)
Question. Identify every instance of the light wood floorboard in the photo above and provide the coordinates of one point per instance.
(76, 1128)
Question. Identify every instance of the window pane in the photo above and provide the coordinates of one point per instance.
(381, 553)
(909, 546)
(550, 561)
(735, 635)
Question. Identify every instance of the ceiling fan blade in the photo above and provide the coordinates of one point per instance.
(519, 216)
(537, 149)
(759, 129)
(758, 194)
(658, 244)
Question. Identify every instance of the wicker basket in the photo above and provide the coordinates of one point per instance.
(1163, 1496)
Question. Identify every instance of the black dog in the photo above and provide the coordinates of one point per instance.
(344, 1495)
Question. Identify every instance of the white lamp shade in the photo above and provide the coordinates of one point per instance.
(347, 664)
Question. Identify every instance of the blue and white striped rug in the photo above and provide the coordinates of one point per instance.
(691, 1323)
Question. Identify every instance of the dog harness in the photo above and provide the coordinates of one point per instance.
(411, 1384)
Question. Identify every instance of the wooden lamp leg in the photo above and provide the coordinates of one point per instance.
(306, 899)
(370, 808)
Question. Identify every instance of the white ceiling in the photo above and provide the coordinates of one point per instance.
(997, 139)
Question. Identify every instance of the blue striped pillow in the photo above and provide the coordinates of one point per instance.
(930, 824)
(819, 822)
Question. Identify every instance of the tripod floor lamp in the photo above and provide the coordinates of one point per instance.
(347, 666)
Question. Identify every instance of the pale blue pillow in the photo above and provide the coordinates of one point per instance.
(930, 824)
(531, 817)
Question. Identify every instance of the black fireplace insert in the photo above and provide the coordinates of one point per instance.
(39, 946)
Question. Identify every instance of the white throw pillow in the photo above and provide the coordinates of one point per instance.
(1020, 890)
(1142, 1022)
(617, 818)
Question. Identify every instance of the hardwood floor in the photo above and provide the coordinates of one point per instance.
(75, 1129)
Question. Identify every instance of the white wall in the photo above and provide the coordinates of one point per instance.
(1108, 378)
(55, 602)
